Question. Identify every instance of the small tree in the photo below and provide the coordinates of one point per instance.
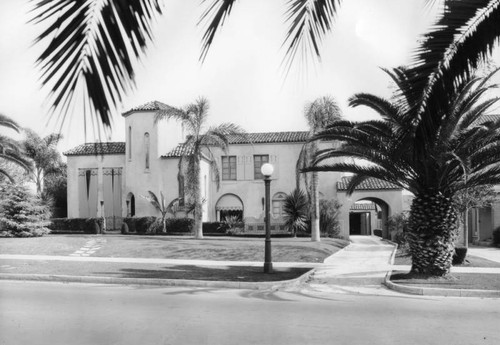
(328, 218)
(22, 214)
(161, 206)
(466, 199)
(398, 224)
(43, 152)
(296, 210)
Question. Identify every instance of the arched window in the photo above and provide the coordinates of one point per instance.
(146, 148)
(278, 202)
(129, 143)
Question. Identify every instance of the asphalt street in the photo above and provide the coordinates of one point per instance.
(62, 313)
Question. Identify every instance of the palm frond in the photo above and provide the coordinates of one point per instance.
(216, 12)
(92, 45)
(7, 122)
(6, 174)
(464, 36)
(309, 21)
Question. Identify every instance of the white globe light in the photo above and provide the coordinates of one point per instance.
(267, 169)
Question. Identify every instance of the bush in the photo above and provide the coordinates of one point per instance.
(397, 226)
(215, 228)
(328, 218)
(496, 237)
(85, 225)
(139, 225)
(296, 212)
(153, 225)
(459, 255)
(22, 214)
(182, 225)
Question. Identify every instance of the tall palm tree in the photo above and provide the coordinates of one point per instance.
(10, 149)
(199, 145)
(430, 164)
(319, 114)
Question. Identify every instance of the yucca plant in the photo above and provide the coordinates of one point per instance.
(460, 150)
(296, 211)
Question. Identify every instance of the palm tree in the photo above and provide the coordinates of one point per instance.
(43, 152)
(319, 114)
(199, 145)
(160, 205)
(10, 149)
(431, 164)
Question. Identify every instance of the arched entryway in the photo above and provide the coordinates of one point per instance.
(130, 205)
(229, 205)
(368, 216)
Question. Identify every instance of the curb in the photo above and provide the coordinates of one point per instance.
(158, 282)
(426, 291)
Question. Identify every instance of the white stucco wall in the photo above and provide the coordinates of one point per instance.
(91, 162)
(393, 198)
(283, 156)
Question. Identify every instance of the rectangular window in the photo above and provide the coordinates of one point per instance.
(278, 208)
(258, 161)
(228, 167)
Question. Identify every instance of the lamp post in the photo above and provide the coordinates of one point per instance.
(267, 170)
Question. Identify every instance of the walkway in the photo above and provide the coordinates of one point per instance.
(363, 264)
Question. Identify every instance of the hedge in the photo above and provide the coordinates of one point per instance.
(152, 225)
(215, 228)
(85, 225)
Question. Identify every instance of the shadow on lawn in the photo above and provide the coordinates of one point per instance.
(219, 273)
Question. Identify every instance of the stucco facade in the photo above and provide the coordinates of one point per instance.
(111, 179)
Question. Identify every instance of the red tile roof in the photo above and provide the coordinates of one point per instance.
(369, 184)
(150, 106)
(270, 137)
(111, 148)
(178, 151)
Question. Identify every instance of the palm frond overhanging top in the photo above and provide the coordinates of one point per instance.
(91, 46)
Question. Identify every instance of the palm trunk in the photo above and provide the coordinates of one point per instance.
(315, 233)
(198, 211)
(431, 234)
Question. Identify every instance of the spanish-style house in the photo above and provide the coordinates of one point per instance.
(109, 179)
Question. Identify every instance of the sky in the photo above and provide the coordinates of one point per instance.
(241, 76)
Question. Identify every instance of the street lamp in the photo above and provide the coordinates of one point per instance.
(267, 170)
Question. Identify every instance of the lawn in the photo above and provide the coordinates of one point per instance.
(149, 271)
(215, 248)
(475, 281)
(455, 280)
(470, 261)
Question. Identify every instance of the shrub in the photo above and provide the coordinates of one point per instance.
(22, 214)
(153, 225)
(139, 225)
(215, 228)
(296, 211)
(86, 225)
(459, 255)
(182, 225)
(328, 218)
(496, 237)
(397, 225)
